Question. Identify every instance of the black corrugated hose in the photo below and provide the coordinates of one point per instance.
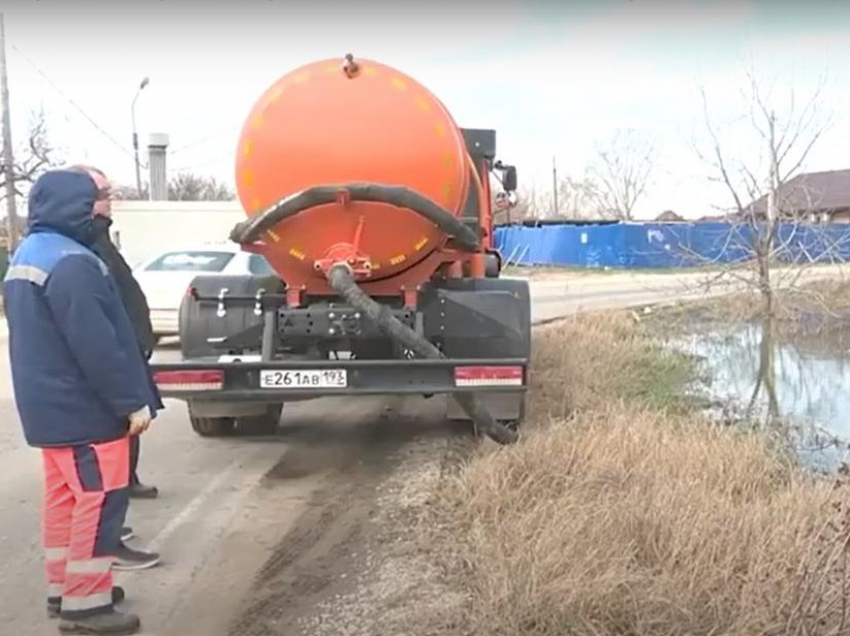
(399, 196)
(342, 281)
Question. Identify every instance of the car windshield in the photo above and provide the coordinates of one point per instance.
(191, 261)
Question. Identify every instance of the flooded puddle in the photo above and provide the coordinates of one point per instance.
(810, 380)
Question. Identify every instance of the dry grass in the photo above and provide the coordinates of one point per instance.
(827, 300)
(583, 363)
(632, 518)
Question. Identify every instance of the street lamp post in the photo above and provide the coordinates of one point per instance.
(144, 83)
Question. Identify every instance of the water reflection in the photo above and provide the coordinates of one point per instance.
(795, 383)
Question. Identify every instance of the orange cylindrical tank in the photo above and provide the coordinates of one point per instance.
(337, 122)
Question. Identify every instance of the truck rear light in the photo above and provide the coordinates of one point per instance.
(489, 376)
(203, 380)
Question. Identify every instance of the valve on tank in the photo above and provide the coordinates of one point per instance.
(350, 67)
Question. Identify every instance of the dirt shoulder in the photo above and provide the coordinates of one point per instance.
(341, 563)
(575, 274)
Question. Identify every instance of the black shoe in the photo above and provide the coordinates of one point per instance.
(55, 607)
(127, 559)
(140, 491)
(127, 533)
(111, 623)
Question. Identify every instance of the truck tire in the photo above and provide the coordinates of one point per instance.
(260, 425)
(212, 426)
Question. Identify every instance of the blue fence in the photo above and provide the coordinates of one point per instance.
(657, 245)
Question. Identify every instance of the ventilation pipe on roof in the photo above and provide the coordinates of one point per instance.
(157, 145)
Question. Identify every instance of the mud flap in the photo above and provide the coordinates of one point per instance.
(481, 319)
(504, 407)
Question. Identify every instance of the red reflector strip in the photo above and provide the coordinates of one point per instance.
(211, 380)
(488, 376)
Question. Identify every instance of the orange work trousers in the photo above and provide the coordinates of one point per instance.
(85, 504)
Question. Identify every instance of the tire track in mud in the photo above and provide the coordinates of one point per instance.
(324, 550)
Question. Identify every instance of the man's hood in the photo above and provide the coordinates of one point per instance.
(63, 201)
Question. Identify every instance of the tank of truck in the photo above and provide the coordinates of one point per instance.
(343, 121)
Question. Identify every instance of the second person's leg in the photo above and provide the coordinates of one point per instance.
(137, 489)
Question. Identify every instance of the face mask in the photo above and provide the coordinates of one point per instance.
(101, 223)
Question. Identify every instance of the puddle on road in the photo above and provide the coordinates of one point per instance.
(811, 378)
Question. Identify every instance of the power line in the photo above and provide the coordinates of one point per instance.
(198, 142)
(73, 103)
(203, 163)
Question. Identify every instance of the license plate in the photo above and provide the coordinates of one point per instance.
(304, 379)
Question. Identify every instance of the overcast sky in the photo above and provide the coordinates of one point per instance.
(554, 78)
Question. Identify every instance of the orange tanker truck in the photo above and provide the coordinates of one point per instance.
(375, 211)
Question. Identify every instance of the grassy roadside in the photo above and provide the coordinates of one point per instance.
(623, 511)
(543, 272)
(547, 272)
(804, 311)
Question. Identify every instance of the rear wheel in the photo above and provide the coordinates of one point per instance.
(212, 426)
(265, 424)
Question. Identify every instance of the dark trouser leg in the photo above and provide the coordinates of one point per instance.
(137, 489)
(134, 458)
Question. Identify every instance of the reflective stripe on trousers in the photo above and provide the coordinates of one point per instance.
(85, 505)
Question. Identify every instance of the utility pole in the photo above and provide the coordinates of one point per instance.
(142, 85)
(555, 187)
(8, 159)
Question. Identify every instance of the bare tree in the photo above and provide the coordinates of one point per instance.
(578, 199)
(191, 187)
(581, 198)
(531, 204)
(130, 193)
(32, 157)
(758, 186)
(183, 187)
(767, 207)
(622, 173)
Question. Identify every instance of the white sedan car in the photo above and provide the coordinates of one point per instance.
(165, 277)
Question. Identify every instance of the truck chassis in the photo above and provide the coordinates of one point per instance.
(246, 353)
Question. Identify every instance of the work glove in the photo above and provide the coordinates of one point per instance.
(139, 421)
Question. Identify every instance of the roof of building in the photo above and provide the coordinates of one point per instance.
(829, 190)
(669, 216)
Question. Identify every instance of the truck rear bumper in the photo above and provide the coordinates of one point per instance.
(251, 379)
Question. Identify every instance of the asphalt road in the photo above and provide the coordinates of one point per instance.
(206, 487)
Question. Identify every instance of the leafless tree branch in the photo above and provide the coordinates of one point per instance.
(32, 157)
(623, 171)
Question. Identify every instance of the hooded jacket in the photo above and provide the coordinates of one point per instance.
(132, 295)
(77, 369)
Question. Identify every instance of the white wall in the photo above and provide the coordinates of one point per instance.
(145, 227)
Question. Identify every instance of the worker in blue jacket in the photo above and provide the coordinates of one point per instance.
(81, 389)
